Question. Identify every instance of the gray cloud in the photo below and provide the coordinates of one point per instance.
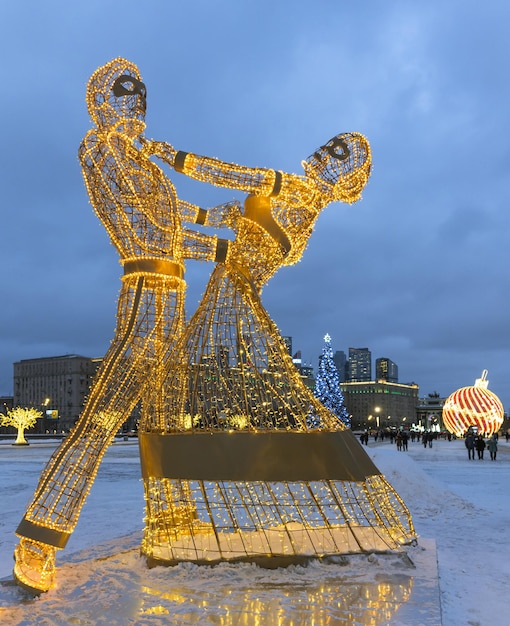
(416, 271)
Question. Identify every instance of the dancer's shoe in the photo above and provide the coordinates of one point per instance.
(34, 565)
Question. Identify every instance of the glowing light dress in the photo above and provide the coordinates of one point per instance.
(232, 468)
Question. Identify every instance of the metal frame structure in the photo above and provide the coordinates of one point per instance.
(233, 469)
(243, 462)
(143, 216)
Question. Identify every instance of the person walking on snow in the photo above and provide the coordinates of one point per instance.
(492, 446)
(470, 445)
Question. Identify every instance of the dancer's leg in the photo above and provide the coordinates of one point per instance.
(145, 317)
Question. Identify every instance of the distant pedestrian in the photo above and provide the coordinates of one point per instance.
(480, 446)
(470, 445)
(424, 439)
(492, 446)
(405, 439)
(398, 440)
(430, 438)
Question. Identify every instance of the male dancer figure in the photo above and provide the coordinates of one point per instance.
(139, 208)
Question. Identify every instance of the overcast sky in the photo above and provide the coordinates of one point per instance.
(417, 271)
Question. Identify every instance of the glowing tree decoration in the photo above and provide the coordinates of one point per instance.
(473, 406)
(232, 469)
(20, 419)
(327, 386)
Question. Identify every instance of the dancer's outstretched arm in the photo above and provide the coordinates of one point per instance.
(261, 181)
(221, 216)
(201, 246)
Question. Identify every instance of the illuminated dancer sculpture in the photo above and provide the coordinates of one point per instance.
(233, 469)
(138, 206)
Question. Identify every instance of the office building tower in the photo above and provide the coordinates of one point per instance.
(340, 361)
(386, 369)
(288, 343)
(360, 365)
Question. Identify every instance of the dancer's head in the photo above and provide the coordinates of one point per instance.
(341, 167)
(116, 95)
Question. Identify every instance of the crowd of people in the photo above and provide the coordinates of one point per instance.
(475, 442)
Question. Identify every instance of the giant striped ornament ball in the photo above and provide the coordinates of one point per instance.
(473, 406)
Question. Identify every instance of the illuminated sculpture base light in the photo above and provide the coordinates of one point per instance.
(473, 406)
(334, 600)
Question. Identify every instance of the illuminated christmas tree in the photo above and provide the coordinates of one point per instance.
(327, 385)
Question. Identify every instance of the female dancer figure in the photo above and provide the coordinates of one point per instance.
(233, 468)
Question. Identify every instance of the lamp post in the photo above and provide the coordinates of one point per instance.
(377, 411)
(45, 405)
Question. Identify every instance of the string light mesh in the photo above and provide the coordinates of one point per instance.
(227, 373)
(232, 389)
(139, 209)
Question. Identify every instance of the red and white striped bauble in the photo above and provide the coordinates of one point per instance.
(473, 406)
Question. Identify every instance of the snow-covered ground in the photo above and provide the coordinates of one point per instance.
(463, 506)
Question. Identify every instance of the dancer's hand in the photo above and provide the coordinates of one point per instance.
(161, 149)
(224, 215)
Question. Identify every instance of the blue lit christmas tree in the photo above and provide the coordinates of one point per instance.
(327, 385)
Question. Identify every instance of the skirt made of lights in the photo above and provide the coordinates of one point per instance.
(233, 468)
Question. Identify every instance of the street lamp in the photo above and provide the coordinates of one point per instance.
(45, 404)
(377, 411)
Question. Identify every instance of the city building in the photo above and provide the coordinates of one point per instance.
(305, 370)
(340, 361)
(307, 375)
(386, 369)
(288, 343)
(360, 365)
(6, 405)
(57, 386)
(429, 412)
(380, 404)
